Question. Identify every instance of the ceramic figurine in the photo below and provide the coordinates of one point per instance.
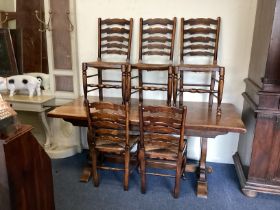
(45, 84)
(21, 82)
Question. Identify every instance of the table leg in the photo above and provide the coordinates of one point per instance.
(47, 129)
(86, 174)
(202, 186)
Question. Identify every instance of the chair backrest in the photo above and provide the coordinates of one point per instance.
(162, 127)
(157, 37)
(200, 37)
(108, 122)
(114, 37)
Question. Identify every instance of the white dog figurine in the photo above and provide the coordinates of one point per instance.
(45, 84)
(21, 82)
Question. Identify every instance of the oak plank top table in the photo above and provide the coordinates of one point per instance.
(201, 121)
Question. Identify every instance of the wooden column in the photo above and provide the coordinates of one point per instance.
(258, 158)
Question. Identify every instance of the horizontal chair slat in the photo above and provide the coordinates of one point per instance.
(114, 45)
(120, 52)
(114, 39)
(158, 21)
(200, 31)
(199, 46)
(115, 30)
(192, 90)
(104, 86)
(118, 134)
(109, 124)
(199, 39)
(157, 31)
(156, 52)
(156, 39)
(118, 21)
(201, 21)
(199, 53)
(156, 46)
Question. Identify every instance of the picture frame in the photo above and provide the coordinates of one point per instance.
(8, 64)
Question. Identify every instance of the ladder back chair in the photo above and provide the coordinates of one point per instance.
(199, 40)
(162, 134)
(108, 133)
(156, 40)
(114, 46)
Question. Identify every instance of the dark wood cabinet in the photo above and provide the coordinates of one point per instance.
(258, 158)
(25, 173)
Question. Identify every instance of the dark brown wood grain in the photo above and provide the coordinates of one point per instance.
(261, 109)
(28, 169)
(200, 31)
(157, 21)
(200, 117)
(190, 45)
(272, 73)
(33, 41)
(108, 132)
(162, 36)
(157, 139)
(201, 122)
(115, 21)
(201, 21)
(114, 38)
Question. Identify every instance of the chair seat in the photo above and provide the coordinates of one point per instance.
(150, 67)
(117, 147)
(198, 67)
(106, 65)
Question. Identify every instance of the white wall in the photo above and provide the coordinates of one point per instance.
(234, 52)
(7, 5)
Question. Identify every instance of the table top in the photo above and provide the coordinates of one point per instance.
(26, 99)
(199, 116)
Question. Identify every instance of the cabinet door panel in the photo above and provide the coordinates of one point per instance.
(61, 34)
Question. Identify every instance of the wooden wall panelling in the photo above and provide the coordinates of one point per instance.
(7, 55)
(64, 83)
(61, 34)
(34, 42)
(62, 48)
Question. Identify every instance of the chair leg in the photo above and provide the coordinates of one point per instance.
(175, 85)
(169, 86)
(94, 167)
(178, 175)
(123, 69)
(126, 169)
(128, 83)
(212, 86)
(99, 84)
(181, 92)
(140, 82)
(142, 169)
(220, 89)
